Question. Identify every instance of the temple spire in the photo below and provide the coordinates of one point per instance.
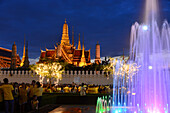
(23, 57)
(83, 49)
(83, 59)
(14, 56)
(65, 37)
(79, 44)
(26, 61)
(73, 36)
(97, 58)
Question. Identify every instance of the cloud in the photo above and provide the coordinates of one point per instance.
(33, 61)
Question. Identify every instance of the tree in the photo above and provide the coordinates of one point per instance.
(120, 67)
(49, 70)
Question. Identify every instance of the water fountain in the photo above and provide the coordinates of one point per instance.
(146, 91)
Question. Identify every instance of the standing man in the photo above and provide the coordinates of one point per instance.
(39, 92)
(8, 96)
(31, 93)
(32, 89)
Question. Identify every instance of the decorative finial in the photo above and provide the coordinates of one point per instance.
(65, 21)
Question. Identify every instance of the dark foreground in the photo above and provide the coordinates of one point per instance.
(74, 109)
(70, 103)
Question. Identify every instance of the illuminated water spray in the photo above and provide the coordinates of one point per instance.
(148, 46)
(148, 89)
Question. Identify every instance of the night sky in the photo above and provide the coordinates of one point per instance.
(106, 21)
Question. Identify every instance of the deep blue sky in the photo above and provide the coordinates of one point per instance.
(106, 21)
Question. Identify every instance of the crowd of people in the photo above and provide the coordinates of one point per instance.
(24, 97)
(15, 97)
(76, 88)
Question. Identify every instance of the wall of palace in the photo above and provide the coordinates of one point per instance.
(89, 77)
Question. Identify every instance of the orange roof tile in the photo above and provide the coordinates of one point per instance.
(50, 53)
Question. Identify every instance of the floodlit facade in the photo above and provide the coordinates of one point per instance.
(67, 52)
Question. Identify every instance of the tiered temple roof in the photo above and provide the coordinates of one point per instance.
(66, 51)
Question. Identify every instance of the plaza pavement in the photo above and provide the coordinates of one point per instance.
(74, 109)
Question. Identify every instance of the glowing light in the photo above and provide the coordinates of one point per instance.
(150, 67)
(133, 93)
(120, 67)
(154, 111)
(49, 70)
(145, 27)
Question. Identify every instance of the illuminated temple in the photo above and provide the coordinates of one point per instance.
(68, 52)
(9, 58)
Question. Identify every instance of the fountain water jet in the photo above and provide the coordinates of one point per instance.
(151, 11)
(148, 90)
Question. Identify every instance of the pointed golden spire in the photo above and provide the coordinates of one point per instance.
(79, 44)
(83, 49)
(24, 46)
(83, 59)
(65, 37)
(55, 46)
(26, 61)
(23, 57)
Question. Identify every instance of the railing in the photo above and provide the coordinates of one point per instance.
(4, 72)
(18, 72)
(89, 77)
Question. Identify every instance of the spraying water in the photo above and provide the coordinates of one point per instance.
(148, 90)
(151, 11)
(149, 44)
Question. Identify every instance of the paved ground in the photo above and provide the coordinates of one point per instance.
(45, 109)
(64, 109)
(74, 109)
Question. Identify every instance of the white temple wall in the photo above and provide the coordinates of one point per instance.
(92, 77)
